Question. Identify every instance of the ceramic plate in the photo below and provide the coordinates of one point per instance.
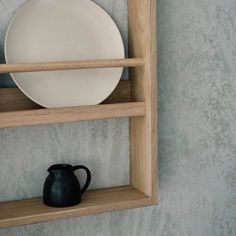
(64, 30)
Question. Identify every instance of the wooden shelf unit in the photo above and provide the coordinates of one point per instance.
(136, 99)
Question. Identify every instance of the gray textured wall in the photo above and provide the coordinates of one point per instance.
(197, 136)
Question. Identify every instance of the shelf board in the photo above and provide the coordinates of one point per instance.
(70, 65)
(31, 211)
(12, 99)
(70, 114)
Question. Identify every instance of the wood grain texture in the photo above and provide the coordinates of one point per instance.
(12, 99)
(70, 114)
(30, 211)
(142, 43)
(70, 65)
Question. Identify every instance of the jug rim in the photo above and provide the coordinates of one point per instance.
(60, 167)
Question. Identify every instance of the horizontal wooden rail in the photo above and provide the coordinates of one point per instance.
(70, 65)
(71, 114)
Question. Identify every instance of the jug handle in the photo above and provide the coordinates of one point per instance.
(88, 177)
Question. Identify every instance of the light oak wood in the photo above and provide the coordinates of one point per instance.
(70, 65)
(143, 131)
(70, 114)
(32, 211)
(12, 99)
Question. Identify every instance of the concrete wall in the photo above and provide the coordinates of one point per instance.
(197, 126)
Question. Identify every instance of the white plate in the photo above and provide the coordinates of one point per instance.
(64, 30)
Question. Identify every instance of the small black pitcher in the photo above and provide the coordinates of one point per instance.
(62, 188)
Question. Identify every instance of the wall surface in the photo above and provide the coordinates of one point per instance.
(197, 134)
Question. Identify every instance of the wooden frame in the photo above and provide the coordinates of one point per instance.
(136, 99)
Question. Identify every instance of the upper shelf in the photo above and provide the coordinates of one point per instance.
(16, 110)
(12, 99)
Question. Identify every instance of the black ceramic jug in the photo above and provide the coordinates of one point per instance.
(62, 188)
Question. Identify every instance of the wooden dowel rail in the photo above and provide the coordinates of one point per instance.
(70, 65)
(71, 114)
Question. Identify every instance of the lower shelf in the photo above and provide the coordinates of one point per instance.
(31, 211)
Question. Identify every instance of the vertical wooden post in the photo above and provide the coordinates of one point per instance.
(143, 130)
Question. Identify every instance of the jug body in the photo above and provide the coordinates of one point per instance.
(62, 188)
